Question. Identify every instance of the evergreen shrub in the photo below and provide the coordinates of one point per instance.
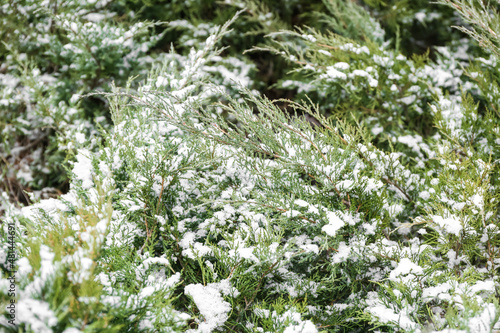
(156, 179)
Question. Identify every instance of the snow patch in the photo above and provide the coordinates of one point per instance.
(83, 168)
(211, 305)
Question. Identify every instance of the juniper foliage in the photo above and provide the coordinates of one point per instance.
(369, 202)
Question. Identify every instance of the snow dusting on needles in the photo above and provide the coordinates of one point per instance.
(198, 186)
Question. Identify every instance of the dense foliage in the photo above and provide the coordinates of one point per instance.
(250, 166)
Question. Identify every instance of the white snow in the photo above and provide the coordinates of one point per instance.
(450, 224)
(478, 201)
(310, 248)
(72, 330)
(420, 16)
(156, 260)
(488, 285)
(387, 315)
(408, 99)
(334, 224)
(341, 65)
(310, 38)
(301, 203)
(424, 195)
(292, 213)
(303, 327)
(342, 253)
(483, 322)
(333, 74)
(83, 168)
(376, 130)
(325, 52)
(430, 293)
(94, 17)
(405, 267)
(211, 305)
(37, 314)
(360, 72)
(80, 137)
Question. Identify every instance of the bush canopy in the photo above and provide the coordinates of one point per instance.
(249, 166)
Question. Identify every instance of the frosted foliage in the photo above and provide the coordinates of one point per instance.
(369, 201)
